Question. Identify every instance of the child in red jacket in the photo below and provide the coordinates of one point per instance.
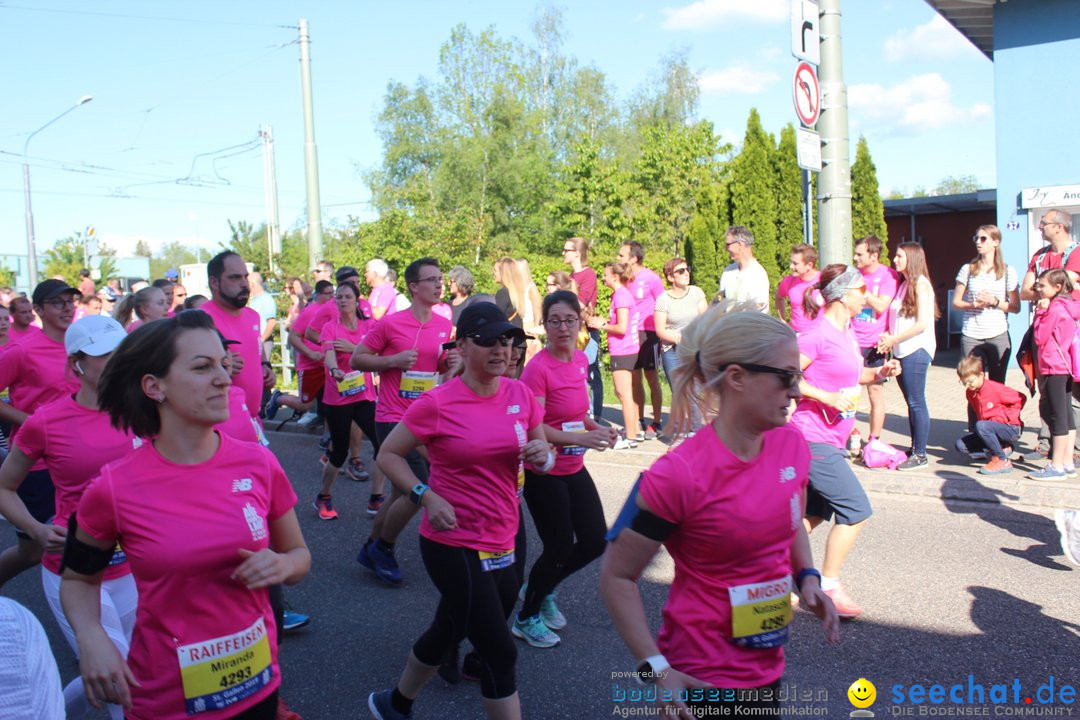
(997, 410)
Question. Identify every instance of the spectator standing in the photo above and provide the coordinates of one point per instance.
(675, 309)
(744, 280)
(461, 289)
(792, 289)
(86, 283)
(881, 284)
(383, 295)
(263, 303)
(645, 286)
(576, 255)
(1056, 230)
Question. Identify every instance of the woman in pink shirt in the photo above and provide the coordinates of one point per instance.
(478, 429)
(623, 344)
(833, 365)
(207, 524)
(75, 440)
(349, 397)
(727, 504)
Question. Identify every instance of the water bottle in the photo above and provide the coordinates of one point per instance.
(854, 443)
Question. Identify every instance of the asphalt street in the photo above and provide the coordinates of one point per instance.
(952, 589)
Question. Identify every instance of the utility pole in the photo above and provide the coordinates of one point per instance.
(834, 185)
(273, 230)
(311, 159)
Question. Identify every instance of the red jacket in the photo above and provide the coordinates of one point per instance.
(996, 402)
(1054, 330)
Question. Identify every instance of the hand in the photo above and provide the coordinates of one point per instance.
(237, 363)
(404, 360)
(51, 537)
(598, 439)
(452, 358)
(261, 569)
(268, 377)
(106, 677)
(342, 345)
(985, 299)
(820, 604)
(676, 681)
(596, 323)
(885, 343)
(315, 355)
(840, 401)
(535, 453)
(890, 369)
(439, 512)
(1042, 303)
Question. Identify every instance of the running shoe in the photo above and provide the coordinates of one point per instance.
(1040, 452)
(533, 631)
(363, 558)
(846, 608)
(650, 432)
(550, 613)
(374, 503)
(1068, 524)
(448, 669)
(624, 444)
(272, 405)
(307, 419)
(294, 621)
(914, 462)
(325, 505)
(383, 564)
(382, 708)
(979, 456)
(996, 466)
(1070, 472)
(472, 666)
(324, 443)
(356, 470)
(284, 713)
(1049, 473)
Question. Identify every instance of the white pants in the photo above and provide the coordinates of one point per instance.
(119, 599)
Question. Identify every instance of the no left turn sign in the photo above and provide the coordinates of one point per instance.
(807, 94)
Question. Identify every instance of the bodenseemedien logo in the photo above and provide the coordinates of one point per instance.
(862, 694)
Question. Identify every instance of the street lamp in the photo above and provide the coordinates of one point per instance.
(30, 247)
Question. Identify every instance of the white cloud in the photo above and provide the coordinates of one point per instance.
(736, 79)
(920, 103)
(707, 14)
(934, 40)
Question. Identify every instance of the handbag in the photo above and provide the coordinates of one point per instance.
(878, 453)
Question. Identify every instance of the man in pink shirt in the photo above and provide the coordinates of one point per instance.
(406, 350)
(645, 287)
(383, 293)
(35, 373)
(22, 319)
(881, 284)
(227, 275)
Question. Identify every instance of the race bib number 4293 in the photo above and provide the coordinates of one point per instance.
(223, 671)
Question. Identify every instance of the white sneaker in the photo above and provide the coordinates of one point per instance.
(307, 419)
(624, 444)
(1068, 524)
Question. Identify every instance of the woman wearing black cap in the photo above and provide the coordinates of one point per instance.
(467, 532)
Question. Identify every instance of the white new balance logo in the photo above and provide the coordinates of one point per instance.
(241, 485)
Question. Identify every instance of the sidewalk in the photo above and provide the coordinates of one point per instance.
(949, 475)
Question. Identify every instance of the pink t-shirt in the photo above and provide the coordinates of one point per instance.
(303, 321)
(445, 310)
(586, 285)
(566, 399)
(869, 325)
(835, 366)
(736, 522)
(397, 333)
(383, 297)
(241, 425)
(134, 325)
(627, 344)
(74, 443)
(646, 287)
(17, 335)
(181, 527)
(792, 290)
(244, 328)
(329, 311)
(35, 372)
(473, 443)
(334, 330)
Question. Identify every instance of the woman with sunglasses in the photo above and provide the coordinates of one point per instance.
(833, 366)
(207, 524)
(564, 503)
(675, 309)
(987, 290)
(727, 504)
(471, 509)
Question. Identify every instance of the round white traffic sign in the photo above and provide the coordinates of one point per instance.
(807, 94)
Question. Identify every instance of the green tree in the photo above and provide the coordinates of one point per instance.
(867, 208)
(753, 194)
(704, 236)
(956, 185)
(65, 258)
(588, 201)
(789, 199)
(174, 254)
(142, 249)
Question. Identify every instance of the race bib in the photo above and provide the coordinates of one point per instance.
(222, 671)
(573, 427)
(415, 383)
(761, 613)
(351, 384)
(495, 561)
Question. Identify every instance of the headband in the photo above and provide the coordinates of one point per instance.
(839, 285)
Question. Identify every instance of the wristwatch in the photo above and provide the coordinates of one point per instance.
(651, 668)
(417, 493)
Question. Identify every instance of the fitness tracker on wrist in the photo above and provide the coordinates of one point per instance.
(651, 668)
(417, 493)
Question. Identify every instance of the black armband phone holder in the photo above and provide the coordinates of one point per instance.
(80, 557)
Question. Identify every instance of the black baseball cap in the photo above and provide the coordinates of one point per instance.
(485, 320)
(48, 289)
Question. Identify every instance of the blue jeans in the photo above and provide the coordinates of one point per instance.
(988, 437)
(912, 382)
(596, 381)
(670, 360)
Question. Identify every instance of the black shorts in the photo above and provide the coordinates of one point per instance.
(623, 362)
(39, 496)
(872, 358)
(648, 356)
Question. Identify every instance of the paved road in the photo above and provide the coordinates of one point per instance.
(952, 588)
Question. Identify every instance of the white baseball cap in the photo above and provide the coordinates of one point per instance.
(93, 335)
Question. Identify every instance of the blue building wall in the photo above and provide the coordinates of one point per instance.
(1037, 112)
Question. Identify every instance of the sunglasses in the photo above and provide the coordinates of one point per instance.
(980, 239)
(790, 379)
(486, 342)
(680, 271)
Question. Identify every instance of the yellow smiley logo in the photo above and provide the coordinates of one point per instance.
(862, 693)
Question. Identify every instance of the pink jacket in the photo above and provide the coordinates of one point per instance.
(1054, 330)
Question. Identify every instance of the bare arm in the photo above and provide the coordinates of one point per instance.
(364, 358)
(12, 474)
(662, 332)
(1027, 288)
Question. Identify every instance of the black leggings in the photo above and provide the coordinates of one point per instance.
(473, 604)
(339, 418)
(1055, 403)
(563, 508)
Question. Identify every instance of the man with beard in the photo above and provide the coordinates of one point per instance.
(227, 275)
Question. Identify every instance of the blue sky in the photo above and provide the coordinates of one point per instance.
(175, 81)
